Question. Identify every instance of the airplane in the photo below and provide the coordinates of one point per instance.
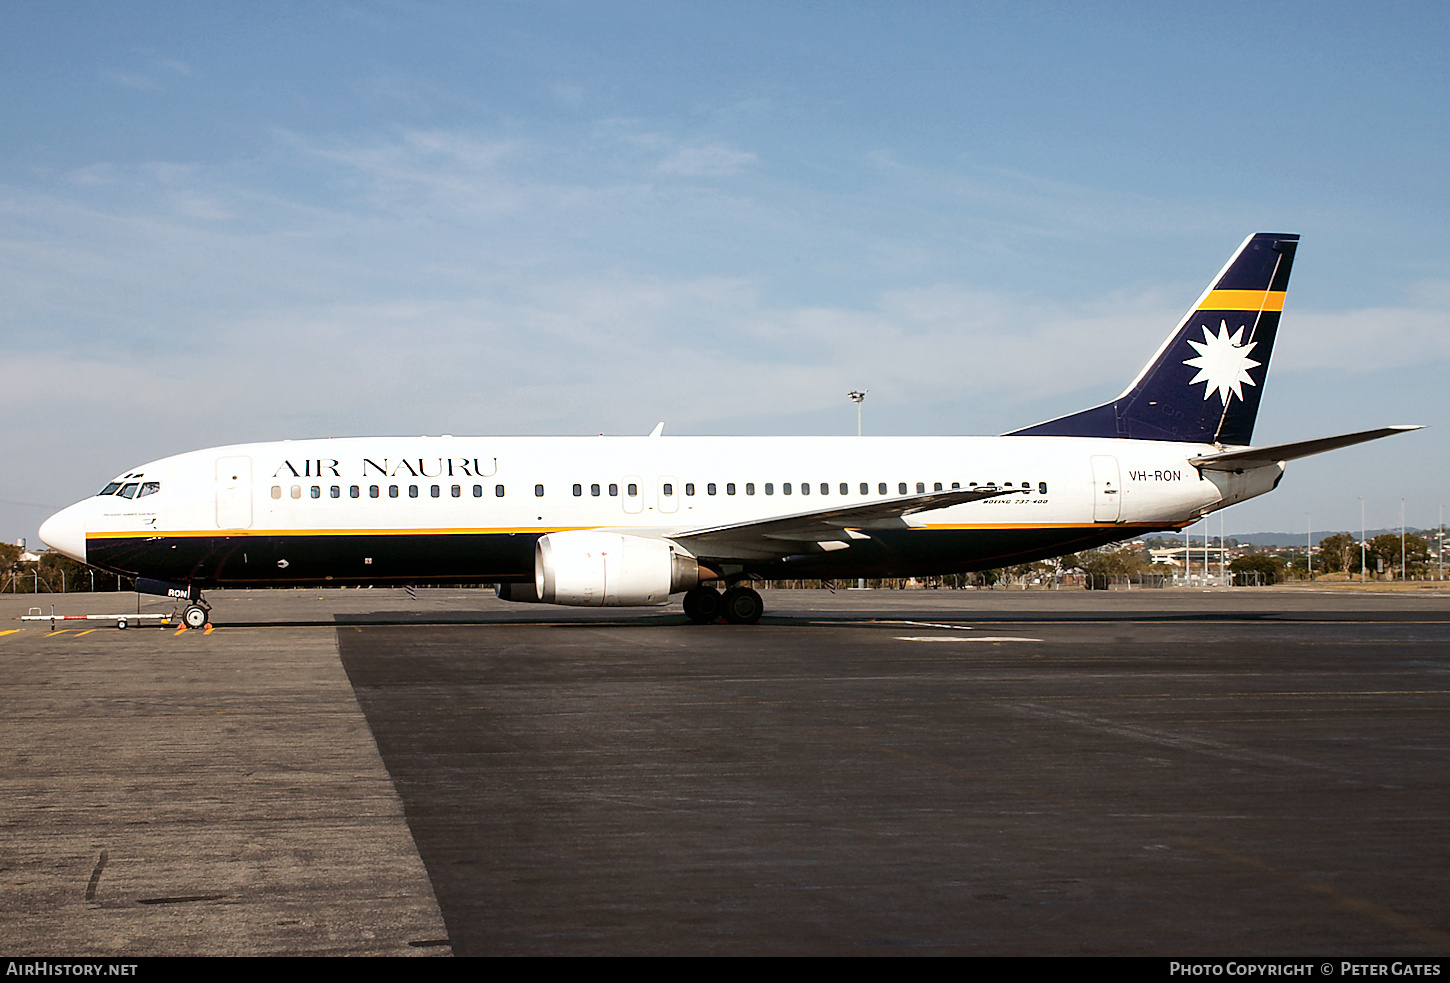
(630, 521)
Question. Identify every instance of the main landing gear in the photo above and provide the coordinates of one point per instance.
(738, 605)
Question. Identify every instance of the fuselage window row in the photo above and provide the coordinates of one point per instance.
(632, 490)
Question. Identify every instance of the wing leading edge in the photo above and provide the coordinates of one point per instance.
(823, 530)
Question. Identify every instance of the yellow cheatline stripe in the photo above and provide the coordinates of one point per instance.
(258, 533)
(1243, 300)
(1005, 526)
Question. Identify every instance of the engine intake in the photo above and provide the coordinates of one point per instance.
(606, 569)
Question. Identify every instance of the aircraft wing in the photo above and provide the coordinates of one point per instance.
(1247, 458)
(823, 530)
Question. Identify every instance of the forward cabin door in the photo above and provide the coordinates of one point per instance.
(1107, 490)
(233, 492)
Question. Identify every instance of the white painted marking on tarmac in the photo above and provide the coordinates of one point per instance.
(959, 638)
(932, 624)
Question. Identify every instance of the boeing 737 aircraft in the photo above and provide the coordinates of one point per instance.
(607, 521)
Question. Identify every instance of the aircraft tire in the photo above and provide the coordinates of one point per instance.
(743, 606)
(195, 616)
(703, 605)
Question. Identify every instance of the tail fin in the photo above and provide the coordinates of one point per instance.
(1222, 345)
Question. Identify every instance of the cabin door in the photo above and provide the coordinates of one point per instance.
(1107, 490)
(233, 492)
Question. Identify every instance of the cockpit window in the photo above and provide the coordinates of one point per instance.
(149, 488)
(128, 490)
(110, 489)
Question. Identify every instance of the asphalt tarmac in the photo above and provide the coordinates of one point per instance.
(1157, 772)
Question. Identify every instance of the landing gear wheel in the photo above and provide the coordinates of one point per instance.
(195, 616)
(702, 605)
(742, 606)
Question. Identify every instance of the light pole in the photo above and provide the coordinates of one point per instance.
(1309, 545)
(1402, 539)
(856, 396)
(1361, 539)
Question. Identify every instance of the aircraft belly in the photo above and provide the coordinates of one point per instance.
(308, 559)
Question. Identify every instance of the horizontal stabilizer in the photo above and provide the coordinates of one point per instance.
(1260, 457)
(778, 536)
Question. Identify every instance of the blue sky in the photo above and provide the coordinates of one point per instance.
(222, 223)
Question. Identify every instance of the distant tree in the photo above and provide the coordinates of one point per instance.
(1268, 568)
(1387, 548)
(1337, 552)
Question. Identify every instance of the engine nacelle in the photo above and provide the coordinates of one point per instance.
(606, 569)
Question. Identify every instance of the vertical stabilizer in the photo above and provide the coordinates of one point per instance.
(1204, 383)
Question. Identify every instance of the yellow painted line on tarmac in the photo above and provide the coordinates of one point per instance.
(11, 631)
(60, 632)
(181, 631)
(86, 632)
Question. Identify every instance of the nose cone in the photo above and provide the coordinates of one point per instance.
(65, 532)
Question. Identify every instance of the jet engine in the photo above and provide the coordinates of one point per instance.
(605, 569)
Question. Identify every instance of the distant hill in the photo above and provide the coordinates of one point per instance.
(1297, 538)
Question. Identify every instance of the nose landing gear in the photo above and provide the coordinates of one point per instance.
(196, 614)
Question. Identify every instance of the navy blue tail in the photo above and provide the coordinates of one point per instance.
(1204, 384)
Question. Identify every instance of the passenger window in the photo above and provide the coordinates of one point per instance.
(956, 485)
(1042, 488)
(901, 488)
(477, 491)
(316, 492)
(613, 491)
(668, 489)
(769, 488)
(710, 488)
(335, 491)
(805, 487)
(392, 491)
(881, 488)
(296, 491)
(730, 488)
(936, 487)
(498, 491)
(578, 491)
(433, 491)
(456, 491)
(129, 491)
(354, 492)
(785, 488)
(826, 489)
(412, 491)
(149, 488)
(631, 489)
(594, 490)
(689, 488)
(750, 488)
(538, 491)
(865, 489)
(276, 491)
(372, 491)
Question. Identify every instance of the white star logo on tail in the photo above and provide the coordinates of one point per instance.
(1223, 363)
